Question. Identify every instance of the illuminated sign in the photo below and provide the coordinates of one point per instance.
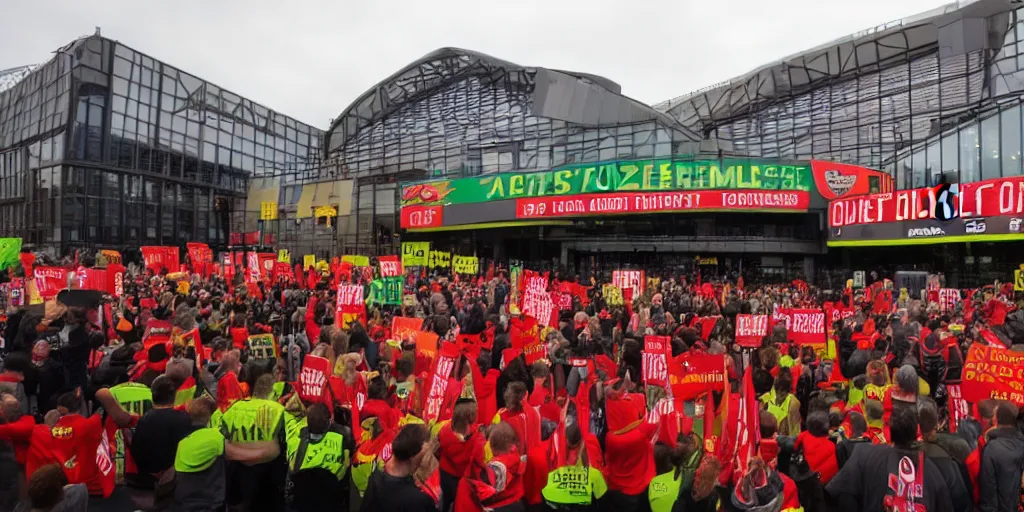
(615, 177)
(652, 202)
(989, 210)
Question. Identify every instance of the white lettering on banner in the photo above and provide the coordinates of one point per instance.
(774, 199)
(948, 297)
(254, 267)
(657, 202)
(932, 231)
(118, 284)
(654, 363)
(751, 325)
(389, 268)
(312, 381)
(780, 316)
(350, 295)
(808, 323)
(663, 407)
(437, 392)
(629, 279)
(422, 218)
(104, 461)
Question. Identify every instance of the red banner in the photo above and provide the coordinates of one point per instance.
(93, 279)
(991, 372)
(414, 217)
(313, 379)
(199, 252)
(50, 280)
(349, 306)
(958, 408)
(989, 198)
(390, 266)
(157, 258)
(693, 374)
(654, 364)
(750, 330)
(805, 326)
(522, 331)
(115, 279)
(649, 202)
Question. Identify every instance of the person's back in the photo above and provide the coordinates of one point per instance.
(319, 455)
(158, 432)
(255, 420)
(199, 464)
(1002, 463)
(891, 477)
(393, 487)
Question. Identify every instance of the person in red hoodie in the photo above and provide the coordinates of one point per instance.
(818, 449)
(376, 405)
(523, 418)
(239, 332)
(457, 440)
(629, 451)
(494, 484)
(76, 442)
(486, 388)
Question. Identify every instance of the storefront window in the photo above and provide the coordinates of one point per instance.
(969, 146)
(990, 153)
(1010, 156)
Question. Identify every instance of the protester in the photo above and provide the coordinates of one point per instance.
(1002, 462)
(442, 390)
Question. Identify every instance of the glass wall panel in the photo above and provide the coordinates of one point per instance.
(1010, 156)
(990, 152)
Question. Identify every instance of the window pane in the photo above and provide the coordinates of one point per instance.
(969, 145)
(1010, 156)
(990, 156)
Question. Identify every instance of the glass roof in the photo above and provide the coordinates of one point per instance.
(9, 77)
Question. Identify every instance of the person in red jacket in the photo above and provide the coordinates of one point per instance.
(486, 388)
(239, 332)
(523, 418)
(458, 440)
(496, 484)
(78, 443)
(818, 449)
(629, 451)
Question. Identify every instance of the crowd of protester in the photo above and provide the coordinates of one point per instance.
(160, 395)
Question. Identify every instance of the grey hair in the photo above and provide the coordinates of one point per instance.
(907, 380)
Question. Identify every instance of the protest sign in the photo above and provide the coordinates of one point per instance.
(414, 254)
(750, 330)
(262, 347)
(441, 259)
(350, 305)
(390, 266)
(992, 372)
(356, 260)
(633, 279)
(50, 280)
(612, 295)
(465, 265)
(654, 364)
(807, 326)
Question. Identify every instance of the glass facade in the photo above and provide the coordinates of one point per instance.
(456, 113)
(916, 101)
(104, 146)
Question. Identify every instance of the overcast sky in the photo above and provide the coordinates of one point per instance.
(311, 58)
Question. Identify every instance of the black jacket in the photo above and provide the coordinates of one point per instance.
(1002, 462)
(952, 473)
(844, 450)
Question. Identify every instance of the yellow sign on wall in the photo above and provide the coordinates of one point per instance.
(284, 256)
(268, 210)
(308, 261)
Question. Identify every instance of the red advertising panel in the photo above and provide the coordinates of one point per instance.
(651, 202)
(991, 372)
(990, 210)
(416, 217)
(835, 180)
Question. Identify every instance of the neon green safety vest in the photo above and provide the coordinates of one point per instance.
(328, 453)
(199, 450)
(252, 419)
(663, 491)
(278, 391)
(574, 485)
(780, 411)
(182, 396)
(134, 398)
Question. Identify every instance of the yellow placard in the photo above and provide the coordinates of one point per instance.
(612, 295)
(1018, 280)
(268, 210)
(284, 256)
(308, 261)
(356, 260)
(183, 287)
(414, 254)
(465, 264)
(262, 347)
(713, 260)
(441, 259)
(325, 211)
